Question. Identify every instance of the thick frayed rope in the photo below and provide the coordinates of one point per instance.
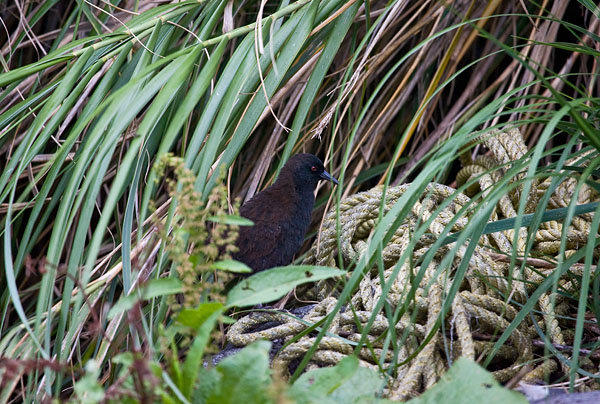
(479, 306)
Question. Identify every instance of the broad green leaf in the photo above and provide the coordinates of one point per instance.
(244, 377)
(231, 219)
(231, 266)
(123, 304)
(274, 283)
(154, 288)
(206, 317)
(88, 388)
(346, 382)
(467, 382)
(194, 318)
(161, 287)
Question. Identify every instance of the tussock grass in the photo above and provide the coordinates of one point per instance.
(93, 94)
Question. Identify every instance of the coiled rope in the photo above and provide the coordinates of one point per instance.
(479, 307)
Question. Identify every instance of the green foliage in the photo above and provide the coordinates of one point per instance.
(231, 266)
(88, 389)
(347, 382)
(246, 377)
(243, 377)
(203, 235)
(152, 289)
(271, 284)
(466, 381)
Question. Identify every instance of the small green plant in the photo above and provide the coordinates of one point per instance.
(203, 233)
(203, 237)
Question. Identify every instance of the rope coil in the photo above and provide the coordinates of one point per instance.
(479, 305)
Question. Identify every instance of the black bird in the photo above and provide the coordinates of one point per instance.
(281, 214)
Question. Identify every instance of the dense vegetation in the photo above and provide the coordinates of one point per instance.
(129, 129)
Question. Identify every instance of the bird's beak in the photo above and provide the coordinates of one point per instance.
(326, 176)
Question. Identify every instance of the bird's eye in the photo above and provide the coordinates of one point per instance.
(314, 168)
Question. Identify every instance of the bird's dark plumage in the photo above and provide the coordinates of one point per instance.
(281, 214)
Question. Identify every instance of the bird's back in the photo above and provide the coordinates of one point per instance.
(281, 218)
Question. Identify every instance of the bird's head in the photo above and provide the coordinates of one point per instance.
(307, 170)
